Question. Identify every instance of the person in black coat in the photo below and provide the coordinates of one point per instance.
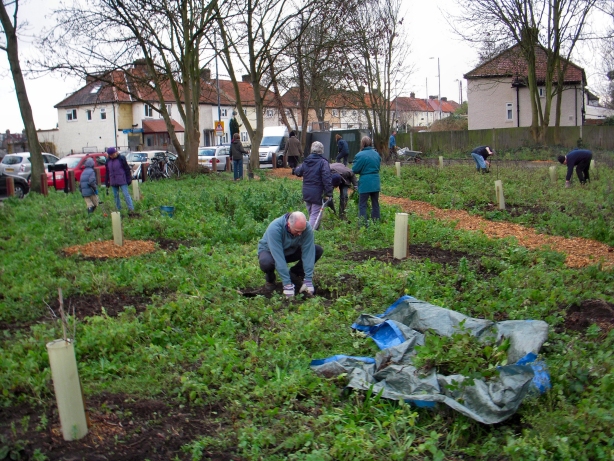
(317, 182)
(581, 159)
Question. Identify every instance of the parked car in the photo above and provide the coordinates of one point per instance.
(76, 163)
(207, 154)
(21, 185)
(19, 164)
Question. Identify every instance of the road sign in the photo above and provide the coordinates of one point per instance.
(219, 127)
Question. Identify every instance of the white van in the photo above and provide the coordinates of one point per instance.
(274, 140)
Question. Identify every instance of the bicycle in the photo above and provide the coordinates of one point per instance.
(162, 167)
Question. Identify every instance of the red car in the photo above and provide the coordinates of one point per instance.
(76, 163)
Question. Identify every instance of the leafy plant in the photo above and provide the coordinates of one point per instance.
(462, 353)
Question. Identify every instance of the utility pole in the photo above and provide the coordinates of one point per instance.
(439, 91)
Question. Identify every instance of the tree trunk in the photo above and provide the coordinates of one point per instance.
(12, 51)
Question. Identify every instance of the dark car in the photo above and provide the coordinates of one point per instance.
(76, 162)
(21, 185)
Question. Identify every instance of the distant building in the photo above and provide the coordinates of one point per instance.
(499, 97)
(100, 115)
(416, 112)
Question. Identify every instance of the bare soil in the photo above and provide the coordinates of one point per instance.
(121, 428)
(591, 311)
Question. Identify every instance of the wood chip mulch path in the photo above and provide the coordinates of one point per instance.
(580, 252)
(108, 249)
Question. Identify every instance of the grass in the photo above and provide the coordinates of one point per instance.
(203, 343)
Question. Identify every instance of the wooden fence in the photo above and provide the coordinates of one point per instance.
(593, 137)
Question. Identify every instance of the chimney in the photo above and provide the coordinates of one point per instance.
(140, 65)
(361, 90)
(205, 74)
(246, 78)
(89, 78)
(444, 98)
(433, 97)
(412, 95)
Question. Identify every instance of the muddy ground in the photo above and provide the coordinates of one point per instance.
(121, 428)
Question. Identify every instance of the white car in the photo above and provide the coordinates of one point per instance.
(207, 154)
(19, 164)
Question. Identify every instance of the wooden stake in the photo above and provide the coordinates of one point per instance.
(499, 193)
(62, 315)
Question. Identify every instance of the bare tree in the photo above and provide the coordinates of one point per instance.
(314, 58)
(554, 25)
(374, 58)
(251, 34)
(9, 44)
(166, 38)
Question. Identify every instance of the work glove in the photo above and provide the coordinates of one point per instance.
(289, 290)
(307, 288)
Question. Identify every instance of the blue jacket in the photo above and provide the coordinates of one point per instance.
(392, 142)
(118, 171)
(280, 242)
(367, 164)
(316, 178)
(343, 148)
(88, 183)
(575, 157)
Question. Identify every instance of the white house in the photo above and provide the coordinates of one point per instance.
(100, 115)
(499, 96)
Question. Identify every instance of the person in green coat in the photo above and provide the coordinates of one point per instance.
(367, 165)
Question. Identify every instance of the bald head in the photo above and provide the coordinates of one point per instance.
(297, 222)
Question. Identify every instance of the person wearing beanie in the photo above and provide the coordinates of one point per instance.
(367, 165)
(579, 158)
(119, 176)
(343, 150)
(317, 184)
(292, 152)
(89, 186)
(480, 155)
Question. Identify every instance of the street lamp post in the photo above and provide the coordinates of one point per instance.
(439, 90)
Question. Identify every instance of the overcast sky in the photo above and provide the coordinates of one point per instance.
(428, 33)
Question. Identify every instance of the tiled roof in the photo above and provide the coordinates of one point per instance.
(405, 104)
(510, 63)
(340, 100)
(159, 126)
(97, 92)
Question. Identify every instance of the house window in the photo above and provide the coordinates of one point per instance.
(509, 111)
(148, 110)
(168, 110)
(244, 137)
(225, 139)
(71, 115)
(88, 114)
(354, 113)
(103, 113)
(269, 113)
(224, 112)
(335, 113)
(344, 113)
(542, 92)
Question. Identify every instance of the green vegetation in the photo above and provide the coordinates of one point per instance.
(200, 342)
(462, 353)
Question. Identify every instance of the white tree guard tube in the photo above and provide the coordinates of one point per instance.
(67, 389)
(400, 235)
(118, 236)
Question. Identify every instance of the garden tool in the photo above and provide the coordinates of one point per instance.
(325, 203)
